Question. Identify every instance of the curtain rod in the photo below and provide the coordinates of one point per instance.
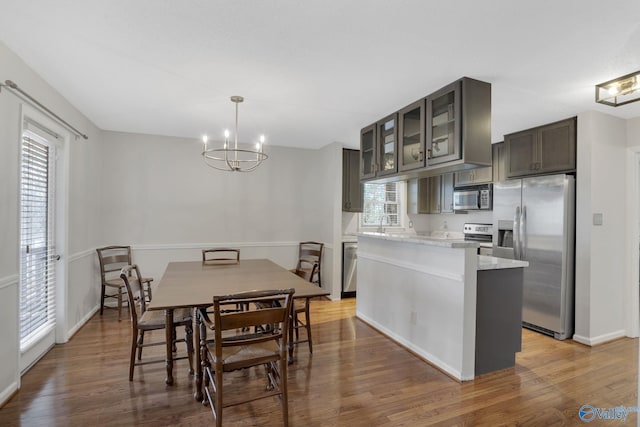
(14, 87)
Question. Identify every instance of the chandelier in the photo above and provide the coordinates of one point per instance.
(233, 159)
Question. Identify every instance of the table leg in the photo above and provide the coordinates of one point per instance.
(169, 336)
(197, 394)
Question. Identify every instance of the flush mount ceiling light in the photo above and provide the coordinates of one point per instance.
(233, 159)
(620, 91)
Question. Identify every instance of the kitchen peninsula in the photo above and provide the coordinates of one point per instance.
(459, 311)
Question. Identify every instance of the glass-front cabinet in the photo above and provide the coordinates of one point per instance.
(411, 136)
(368, 152)
(387, 134)
(444, 124)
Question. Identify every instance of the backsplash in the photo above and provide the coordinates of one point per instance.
(427, 223)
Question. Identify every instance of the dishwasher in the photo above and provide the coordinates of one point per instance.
(349, 269)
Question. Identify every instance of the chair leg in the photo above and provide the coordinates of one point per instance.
(307, 323)
(218, 394)
(132, 362)
(284, 398)
(102, 299)
(119, 304)
(140, 343)
(189, 341)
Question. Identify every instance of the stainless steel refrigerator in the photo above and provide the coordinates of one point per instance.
(534, 220)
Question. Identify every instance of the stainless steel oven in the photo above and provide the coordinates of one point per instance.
(481, 233)
(473, 198)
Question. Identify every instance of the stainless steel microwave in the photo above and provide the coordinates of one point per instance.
(473, 198)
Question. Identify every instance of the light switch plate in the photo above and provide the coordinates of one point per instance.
(597, 219)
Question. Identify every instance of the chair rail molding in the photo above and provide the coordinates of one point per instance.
(7, 281)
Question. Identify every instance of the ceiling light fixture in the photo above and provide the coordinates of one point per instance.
(620, 91)
(233, 159)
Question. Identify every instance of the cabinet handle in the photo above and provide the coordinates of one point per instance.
(421, 156)
(428, 153)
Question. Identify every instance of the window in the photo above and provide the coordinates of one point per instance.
(382, 205)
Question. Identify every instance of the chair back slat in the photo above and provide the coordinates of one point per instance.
(130, 275)
(221, 256)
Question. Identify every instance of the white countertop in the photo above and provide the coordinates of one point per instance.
(422, 240)
(494, 263)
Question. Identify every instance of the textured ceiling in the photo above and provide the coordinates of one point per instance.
(314, 72)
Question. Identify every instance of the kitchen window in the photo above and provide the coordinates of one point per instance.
(382, 205)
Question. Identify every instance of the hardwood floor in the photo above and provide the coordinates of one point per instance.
(356, 377)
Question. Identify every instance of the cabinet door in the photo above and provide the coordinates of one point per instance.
(482, 175)
(411, 136)
(464, 177)
(412, 196)
(521, 153)
(435, 194)
(447, 193)
(368, 152)
(557, 151)
(387, 135)
(497, 151)
(351, 186)
(444, 125)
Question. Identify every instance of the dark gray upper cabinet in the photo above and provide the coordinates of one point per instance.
(351, 186)
(458, 123)
(447, 131)
(444, 124)
(498, 162)
(474, 176)
(432, 195)
(387, 146)
(411, 136)
(368, 152)
(541, 150)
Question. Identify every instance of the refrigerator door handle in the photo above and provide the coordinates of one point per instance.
(523, 233)
(516, 234)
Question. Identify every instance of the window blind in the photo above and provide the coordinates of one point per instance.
(381, 205)
(37, 233)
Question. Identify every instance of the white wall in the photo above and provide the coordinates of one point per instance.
(601, 267)
(82, 212)
(159, 196)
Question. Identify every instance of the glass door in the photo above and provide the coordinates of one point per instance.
(368, 152)
(444, 125)
(411, 130)
(37, 244)
(387, 131)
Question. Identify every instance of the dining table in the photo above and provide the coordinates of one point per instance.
(193, 284)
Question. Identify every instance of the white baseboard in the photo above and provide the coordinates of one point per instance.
(6, 394)
(599, 339)
(81, 323)
(428, 357)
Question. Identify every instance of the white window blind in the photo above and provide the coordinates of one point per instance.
(37, 232)
(381, 205)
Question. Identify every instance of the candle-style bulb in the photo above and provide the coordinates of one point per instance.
(205, 138)
(226, 133)
(261, 139)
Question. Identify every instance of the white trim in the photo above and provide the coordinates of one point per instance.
(412, 266)
(428, 357)
(81, 323)
(6, 394)
(599, 339)
(173, 246)
(82, 254)
(5, 282)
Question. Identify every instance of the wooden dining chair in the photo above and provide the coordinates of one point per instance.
(144, 321)
(235, 346)
(112, 259)
(221, 256)
(300, 306)
(311, 254)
